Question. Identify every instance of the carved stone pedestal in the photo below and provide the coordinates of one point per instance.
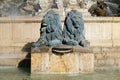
(61, 59)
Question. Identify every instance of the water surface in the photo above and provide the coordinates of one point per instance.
(20, 74)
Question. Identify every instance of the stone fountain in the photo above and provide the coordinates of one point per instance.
(62, 51)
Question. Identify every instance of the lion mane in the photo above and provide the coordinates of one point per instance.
(73, 31)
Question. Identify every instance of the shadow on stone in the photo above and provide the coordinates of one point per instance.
(25, 64)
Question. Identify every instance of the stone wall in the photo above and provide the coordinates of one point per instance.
(100, 31)
(16, 35)
(107, 56)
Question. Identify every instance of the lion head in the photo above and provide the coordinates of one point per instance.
(73, 31)
(51, 21)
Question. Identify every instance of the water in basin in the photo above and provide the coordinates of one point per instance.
(99, 74)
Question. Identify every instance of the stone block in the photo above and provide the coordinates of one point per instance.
(5, 32)
(44, 60)
(97, 49)
(107, 59)
(117, 62)
(107, 55)
(64, 64)
(87, 62)
(116, 32)
(35, 61)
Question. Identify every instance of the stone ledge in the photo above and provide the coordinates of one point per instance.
(42, 49)
(103, 50)
(38, 19)
(62, 48)
(13, 62)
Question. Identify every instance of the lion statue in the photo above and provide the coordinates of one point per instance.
(50, 31)
(73, 32)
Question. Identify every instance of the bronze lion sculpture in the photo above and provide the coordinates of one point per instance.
(50, 31)
(73, 32)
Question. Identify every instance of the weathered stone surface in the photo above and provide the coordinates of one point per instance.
(35, 61)
(52, 63)
(42, 49)
(107, 55)
(87, 62)
(97, 49)
(10, 61)
(64, 64)
(102, 55)
(13, 52)
(109, 58)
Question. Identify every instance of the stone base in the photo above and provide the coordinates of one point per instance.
(43, 60)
